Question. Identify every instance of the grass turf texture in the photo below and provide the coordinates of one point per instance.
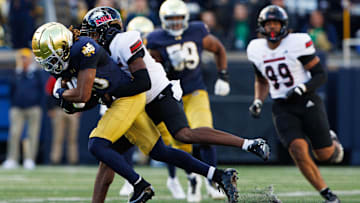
(256, 184)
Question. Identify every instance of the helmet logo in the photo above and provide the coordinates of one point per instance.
(103, 19)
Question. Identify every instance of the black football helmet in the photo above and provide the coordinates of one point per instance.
(275, 13)
(98, 20)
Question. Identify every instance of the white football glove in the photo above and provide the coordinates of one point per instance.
(103, 109)
(71, 85)
(177, 59)
(176, 88)
(57, 86)
(222, 87)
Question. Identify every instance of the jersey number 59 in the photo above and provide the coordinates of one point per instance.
(191, 53)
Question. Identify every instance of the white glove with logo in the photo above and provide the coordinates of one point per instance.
(176, 88)
(177, 59)
(222, 87)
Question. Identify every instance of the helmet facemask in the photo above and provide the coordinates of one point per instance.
(175, 25)
(57, 61)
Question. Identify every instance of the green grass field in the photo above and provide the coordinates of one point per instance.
(256, 184)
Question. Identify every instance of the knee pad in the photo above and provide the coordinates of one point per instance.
(338, 155)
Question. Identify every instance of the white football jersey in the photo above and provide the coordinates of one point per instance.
(281, 66)
(124, 46)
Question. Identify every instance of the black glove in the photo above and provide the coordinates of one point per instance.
(68, 107)
(296, 92)
(255, 108)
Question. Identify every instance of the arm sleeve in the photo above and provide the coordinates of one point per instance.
(141, 83)
(318, 78)
(306, 59)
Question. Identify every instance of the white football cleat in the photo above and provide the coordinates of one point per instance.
(29, 164)
(10, 164)
(126, 189)
(175, 188)
(213, 191)
(340, 156)
(194, 188)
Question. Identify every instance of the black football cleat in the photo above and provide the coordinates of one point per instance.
(142, 193)
(228, 185)
(260, 148)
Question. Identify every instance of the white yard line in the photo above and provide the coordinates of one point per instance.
(303, 193)
(168, 197)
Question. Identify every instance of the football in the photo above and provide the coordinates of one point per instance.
(64, 83)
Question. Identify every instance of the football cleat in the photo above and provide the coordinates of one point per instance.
(194, 188)
(142, 193)
(260, 148)
(331, 198)
(340, 156)
(175, 188)
(126, 189)
(213, 191)
(228, 185)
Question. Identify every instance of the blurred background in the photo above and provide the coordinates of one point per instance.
(333, 25)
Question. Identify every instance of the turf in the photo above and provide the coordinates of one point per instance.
(256, 184)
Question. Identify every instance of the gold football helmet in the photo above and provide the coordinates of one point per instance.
(141, 24)
(174, 16)
(51, 45)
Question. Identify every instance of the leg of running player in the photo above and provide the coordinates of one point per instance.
(104, 178)
(184, 160)
(299, 151)
(171, 111)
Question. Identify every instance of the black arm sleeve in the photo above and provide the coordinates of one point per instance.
(140, 53)
(306, 59)
(318, 78)
(140, 83)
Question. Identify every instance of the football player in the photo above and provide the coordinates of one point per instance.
(286, 65)
(163, 101)
(64, 54)
(144, 26)
(178, 46)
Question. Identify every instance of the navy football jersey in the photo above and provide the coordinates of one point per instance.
(86, 53)
(190, 41)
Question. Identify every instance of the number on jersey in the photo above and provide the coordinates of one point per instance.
(283, 71)
(192, 58)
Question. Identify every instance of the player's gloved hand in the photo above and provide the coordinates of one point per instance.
(296, 92)
(58, 90)
(71, 84)
(255, 108)
(177, 59)
(222, 85)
